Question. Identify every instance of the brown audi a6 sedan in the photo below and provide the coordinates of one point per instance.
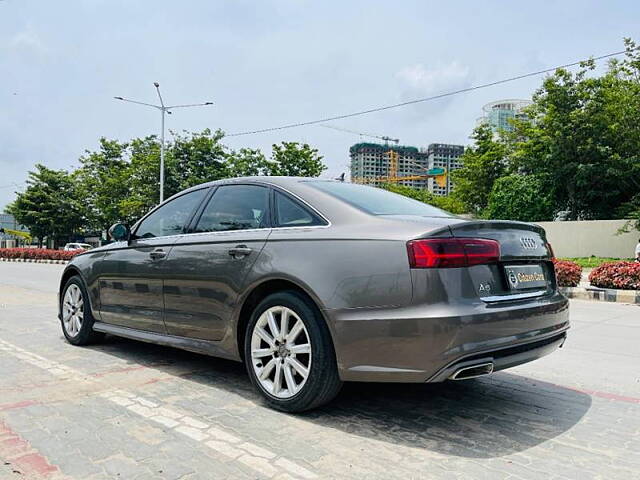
(313, 282)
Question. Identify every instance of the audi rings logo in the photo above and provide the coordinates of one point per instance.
(528, 243)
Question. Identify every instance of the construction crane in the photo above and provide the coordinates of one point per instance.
(16, 233)
(440, 174)
(380, 137)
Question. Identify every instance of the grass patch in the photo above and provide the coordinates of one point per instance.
(592, 262)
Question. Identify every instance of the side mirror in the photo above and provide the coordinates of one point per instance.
(119, 232)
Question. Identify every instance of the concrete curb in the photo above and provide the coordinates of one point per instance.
(33, 260)
(602, 294)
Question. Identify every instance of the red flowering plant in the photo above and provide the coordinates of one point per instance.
(38, 253)
(620, 275)
(568, 273)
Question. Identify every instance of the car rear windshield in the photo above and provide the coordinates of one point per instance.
(377, 201)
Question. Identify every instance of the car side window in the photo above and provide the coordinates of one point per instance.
(235, 207)
(290, 213)
(171, 218)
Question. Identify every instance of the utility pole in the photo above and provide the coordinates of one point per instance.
(163, 109)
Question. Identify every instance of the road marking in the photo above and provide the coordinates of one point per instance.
(12, 406)
(23, 459)
(254, 456)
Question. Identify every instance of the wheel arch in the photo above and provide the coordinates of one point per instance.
(69, 272)
(260, 291)
(73, 271)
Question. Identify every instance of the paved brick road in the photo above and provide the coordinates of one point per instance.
(133, 411)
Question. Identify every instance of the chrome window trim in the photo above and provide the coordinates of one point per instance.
(265, 183)
(218, 232)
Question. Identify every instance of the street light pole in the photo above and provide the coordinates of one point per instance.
(163, 109)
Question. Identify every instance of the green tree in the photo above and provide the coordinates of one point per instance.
(194, 158)
(582, 136)
(631, 211)
(49, 205)
(295, 160)
(247, 162)
(447, 203)
(519, 197)
(101, 183)
(120, 181)
(143, 177)
(482, 164)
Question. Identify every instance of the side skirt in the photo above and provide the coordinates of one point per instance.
(205, 347)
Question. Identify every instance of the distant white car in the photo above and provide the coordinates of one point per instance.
(77, 246)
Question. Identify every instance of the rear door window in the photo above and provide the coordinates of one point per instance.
(235, 207)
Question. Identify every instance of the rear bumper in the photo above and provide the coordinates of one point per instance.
(427, 343)
(504, 358)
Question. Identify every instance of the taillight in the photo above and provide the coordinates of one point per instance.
(452, 252)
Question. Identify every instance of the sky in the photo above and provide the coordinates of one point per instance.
(266, 63)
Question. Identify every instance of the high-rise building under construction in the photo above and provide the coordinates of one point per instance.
(374, 164)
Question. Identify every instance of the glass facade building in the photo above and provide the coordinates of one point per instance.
(499, 113)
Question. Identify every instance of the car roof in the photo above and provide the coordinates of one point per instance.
(337, 211)
(273, 180)
(328, 206)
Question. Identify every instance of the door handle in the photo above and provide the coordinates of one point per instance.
(158, 254)
(240, 251)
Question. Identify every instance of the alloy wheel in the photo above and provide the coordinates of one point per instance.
(281, 352)
(72, 310)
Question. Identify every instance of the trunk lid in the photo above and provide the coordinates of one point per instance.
(524, 269)
(518, 240)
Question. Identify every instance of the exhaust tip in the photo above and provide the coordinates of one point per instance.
(472, 371)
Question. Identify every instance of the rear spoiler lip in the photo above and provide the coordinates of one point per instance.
(449, 230)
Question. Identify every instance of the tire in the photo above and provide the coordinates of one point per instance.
(295, 393)
(73, 290)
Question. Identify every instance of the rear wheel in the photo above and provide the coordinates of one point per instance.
(289, 354)
(76, 318)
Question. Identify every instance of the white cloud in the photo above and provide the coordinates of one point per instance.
(27, 39)
(417, 81)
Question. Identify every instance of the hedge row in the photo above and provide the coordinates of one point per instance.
(619, 275)
(37, 253)
(568, 273)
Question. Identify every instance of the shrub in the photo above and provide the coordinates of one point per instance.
(568, 273)
(519, 197)
(621, 275)
(38, 253)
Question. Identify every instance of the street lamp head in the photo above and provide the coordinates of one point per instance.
(156, 84)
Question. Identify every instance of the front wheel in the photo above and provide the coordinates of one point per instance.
(289, 354)
(76, 318)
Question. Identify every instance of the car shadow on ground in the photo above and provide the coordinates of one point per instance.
(481, 418)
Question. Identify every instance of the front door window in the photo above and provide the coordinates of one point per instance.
(171, 218)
